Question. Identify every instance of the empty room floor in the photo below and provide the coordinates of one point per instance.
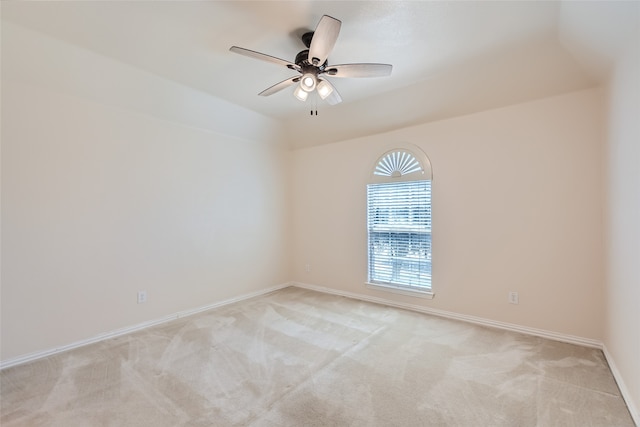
(297, 357)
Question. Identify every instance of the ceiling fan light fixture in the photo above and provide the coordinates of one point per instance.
(308, 82)
(324, 89)
(300, 93)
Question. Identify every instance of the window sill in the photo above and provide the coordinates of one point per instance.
(401, 291)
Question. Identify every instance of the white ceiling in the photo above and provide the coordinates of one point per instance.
(449, 58)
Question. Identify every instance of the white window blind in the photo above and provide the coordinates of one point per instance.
(399, 229)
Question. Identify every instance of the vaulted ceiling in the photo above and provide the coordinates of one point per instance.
(449, 58)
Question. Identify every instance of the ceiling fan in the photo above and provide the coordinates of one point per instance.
(313, 67)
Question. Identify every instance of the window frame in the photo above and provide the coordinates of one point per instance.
(390, 168)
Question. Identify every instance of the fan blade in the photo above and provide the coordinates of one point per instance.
(264, 57)
(334, 97)
(324, 38)
(359, 70)
(279, 86)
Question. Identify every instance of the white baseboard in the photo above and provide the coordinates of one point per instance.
(586, 342)
(635, 414)
(127, 330)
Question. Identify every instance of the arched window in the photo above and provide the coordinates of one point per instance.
(399, 222)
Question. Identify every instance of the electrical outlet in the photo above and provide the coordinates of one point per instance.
(307, 268)
(513, 297)
(142, 297)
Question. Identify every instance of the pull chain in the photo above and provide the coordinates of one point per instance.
(314, 107)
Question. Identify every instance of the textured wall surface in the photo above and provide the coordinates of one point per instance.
(101, 200)
(517, 206)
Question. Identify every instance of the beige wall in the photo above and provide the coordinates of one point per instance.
(622, 333)
(517, 205)
(101, 198)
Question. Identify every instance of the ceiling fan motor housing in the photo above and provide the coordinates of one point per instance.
(302, 60)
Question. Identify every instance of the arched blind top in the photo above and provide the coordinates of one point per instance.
(402, 164)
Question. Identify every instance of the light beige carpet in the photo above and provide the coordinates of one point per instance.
(301, 358)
